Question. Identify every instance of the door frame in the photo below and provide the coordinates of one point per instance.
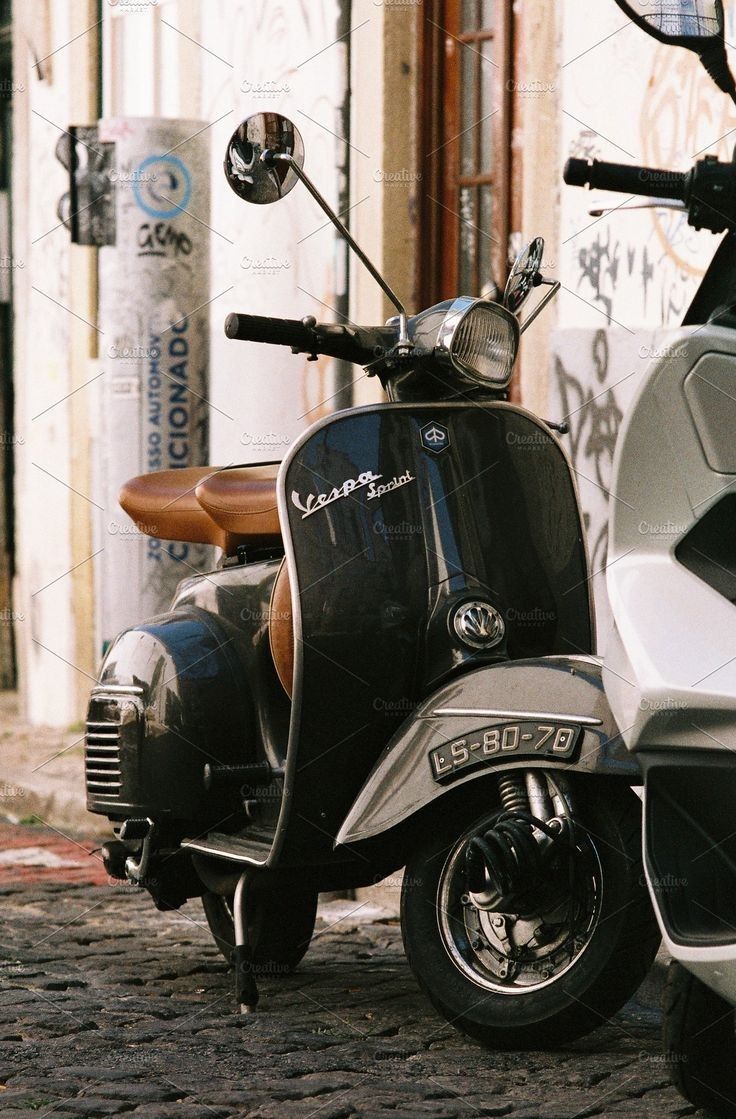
(440, 42)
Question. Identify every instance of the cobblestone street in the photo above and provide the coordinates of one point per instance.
(111, 1008)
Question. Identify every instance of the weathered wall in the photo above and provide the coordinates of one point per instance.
(385, 167)
(240, 57)
(180, 58)
(284, 259)
(583, 87)
(623, 98)
(47, 369)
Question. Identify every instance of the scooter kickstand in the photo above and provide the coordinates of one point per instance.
(246, 989)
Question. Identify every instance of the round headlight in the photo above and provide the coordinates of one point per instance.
(481, 339)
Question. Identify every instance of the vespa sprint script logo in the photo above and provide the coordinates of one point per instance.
(316, 501)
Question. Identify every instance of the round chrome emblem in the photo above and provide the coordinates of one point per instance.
(479, 625)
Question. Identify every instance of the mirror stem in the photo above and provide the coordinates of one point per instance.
(715, 61)
(269, 158)
(554, 286)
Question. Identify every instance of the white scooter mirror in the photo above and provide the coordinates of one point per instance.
(249, 176)
(697, 25)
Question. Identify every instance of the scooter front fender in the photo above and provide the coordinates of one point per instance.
(549, 713)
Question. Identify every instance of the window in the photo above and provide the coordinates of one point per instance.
(465, 146)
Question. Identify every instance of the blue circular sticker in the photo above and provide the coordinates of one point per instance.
(162, 186)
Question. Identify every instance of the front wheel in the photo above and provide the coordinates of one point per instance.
(561, 967)
(700, 1043)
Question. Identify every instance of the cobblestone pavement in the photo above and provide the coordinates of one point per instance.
(108, 1007)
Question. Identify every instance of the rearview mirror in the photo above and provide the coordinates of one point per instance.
(246, 172)
(683, 22)
(525, 274)
(697, 25)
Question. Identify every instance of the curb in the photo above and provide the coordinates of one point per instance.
(40, 804)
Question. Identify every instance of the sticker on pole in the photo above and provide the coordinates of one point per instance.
(162, 186)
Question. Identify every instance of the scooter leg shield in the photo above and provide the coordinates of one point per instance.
(549, 713)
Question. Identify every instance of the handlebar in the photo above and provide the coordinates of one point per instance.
(357, 344)
(279, 332)
(627, 180)
(708, 190)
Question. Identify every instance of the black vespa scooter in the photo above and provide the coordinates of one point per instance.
(391, 666)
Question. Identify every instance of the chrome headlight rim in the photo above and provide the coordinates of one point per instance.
(458, 312)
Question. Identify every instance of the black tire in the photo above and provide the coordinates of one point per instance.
(280, 927)
(597, 982)
(700, 1043)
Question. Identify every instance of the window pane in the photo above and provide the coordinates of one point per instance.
(466, 104)
(469, 135)
(487, 83)
(470, 15)
(485, 244)
(468, 240)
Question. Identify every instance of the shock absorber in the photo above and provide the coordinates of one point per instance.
(512, 792)
(511, 858)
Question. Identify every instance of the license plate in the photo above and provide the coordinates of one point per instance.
(506, 741)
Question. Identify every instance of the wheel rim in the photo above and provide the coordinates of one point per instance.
(515, 954)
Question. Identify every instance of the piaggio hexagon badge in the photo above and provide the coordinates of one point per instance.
(435, 437)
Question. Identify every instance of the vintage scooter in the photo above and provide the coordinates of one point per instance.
(389, 667)
(670, 673)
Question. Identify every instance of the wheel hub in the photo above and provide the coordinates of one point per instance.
(516, 952)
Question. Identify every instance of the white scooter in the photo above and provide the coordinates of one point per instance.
(670, 671)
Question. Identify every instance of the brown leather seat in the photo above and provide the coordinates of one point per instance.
(224, 507)
(242, 502)
(165, 504)
(281, 629)
(206, 505)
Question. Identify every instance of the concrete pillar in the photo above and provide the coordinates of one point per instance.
(536, 98)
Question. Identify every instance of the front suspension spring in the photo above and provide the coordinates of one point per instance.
(512, 790)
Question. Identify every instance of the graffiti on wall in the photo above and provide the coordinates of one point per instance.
(596, 374)
(661, 259)
(637, 271)
(594, 416)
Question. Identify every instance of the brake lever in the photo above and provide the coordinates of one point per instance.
(651, 204)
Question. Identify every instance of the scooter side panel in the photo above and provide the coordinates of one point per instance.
(670, 672)
(546, 699)
(169, 700)
(241, 596)
(191, 688)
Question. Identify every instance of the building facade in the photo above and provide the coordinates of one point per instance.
(438, 129)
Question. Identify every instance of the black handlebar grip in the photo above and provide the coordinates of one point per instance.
(577, 172)
(279, 332)
(627, 179)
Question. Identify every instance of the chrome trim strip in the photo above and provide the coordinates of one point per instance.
(487, 712)
(117, 689)
(218, 853)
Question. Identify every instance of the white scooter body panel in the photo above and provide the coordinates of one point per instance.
(670, 669)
